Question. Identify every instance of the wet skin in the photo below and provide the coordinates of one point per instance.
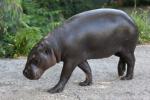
(92, 34)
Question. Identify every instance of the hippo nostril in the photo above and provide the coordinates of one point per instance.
(25, 72)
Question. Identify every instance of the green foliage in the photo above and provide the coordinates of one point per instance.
(24, 22)
(21, 43)
(10, 13)
(24, 42)
(39, 15)
(7, 46)
(143, 23)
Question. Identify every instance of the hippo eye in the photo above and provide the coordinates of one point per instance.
(47, 51)
(35, 61)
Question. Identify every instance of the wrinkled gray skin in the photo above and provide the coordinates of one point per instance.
(92, 34)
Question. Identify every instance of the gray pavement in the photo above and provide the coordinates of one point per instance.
(106, 84)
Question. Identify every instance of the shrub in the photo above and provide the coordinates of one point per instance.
(25, 39)
(7, 46)
(143, 23)
(24, 22)
(21, 43)
(10, 13)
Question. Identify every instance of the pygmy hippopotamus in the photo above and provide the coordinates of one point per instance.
(91, 34)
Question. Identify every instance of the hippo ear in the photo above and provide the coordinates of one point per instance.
(43, 44)
(40, 47)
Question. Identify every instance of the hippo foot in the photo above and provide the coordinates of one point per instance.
(55, 90)
(121, 73)
(126, 77)
(85, 83)
(121, 70)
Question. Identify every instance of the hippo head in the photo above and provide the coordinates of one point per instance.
(39, 59)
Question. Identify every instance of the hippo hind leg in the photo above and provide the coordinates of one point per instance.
(128, 58)
(87, 70)
(121, 67)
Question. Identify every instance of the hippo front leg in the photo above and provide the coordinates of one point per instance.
(87, 70)
(67, 70)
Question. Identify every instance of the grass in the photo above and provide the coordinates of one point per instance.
(142, 19)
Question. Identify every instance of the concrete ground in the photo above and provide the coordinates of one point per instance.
(106, 84)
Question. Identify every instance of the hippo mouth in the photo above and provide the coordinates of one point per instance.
(32, 76)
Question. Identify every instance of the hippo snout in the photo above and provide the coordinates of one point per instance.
(28, 74)
(32, 73)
